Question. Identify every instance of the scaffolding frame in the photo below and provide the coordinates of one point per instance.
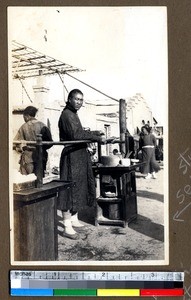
(27, 62)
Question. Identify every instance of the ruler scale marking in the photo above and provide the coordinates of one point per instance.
(88, 283)
(159, 276)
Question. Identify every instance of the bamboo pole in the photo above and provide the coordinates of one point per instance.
(109, 140)
(51, 143)
(39, 143)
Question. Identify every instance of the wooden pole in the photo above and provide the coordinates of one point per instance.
(99, 152)
(126, 144)
(39, 166)
(122, 125)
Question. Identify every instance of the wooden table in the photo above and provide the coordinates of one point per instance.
(121, 208)
(35, 222)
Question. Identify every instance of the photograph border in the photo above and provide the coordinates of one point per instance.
(165, 216)
(179, 43)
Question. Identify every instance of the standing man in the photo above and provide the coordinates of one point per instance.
(28, 132)
(75, 164)
(147, 144)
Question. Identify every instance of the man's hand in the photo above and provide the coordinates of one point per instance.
(102, 139)
(101, 132)
(20, 147)
(98, 132)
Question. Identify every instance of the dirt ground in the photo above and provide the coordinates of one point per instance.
(143, 239)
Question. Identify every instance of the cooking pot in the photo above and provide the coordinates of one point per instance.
(110, 160)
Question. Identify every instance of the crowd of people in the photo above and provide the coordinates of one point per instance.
(75, 160)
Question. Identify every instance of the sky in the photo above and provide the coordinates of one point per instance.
(123, 50)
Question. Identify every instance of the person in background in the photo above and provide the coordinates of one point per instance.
(147, 144)
(28, 132)
(75, 165)
(115, 151)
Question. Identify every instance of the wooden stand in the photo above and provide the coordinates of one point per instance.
(35, 222)
(121, 208)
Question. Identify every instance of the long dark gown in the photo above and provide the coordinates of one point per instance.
(75, 163)
(148, 154)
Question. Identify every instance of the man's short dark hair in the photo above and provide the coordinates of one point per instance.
(30, 110)
(147, 127)
(74, 92)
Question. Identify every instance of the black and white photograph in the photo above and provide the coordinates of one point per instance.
(88, 135)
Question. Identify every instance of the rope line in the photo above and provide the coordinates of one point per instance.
(25, 89)
(92, 87)
(62, 81)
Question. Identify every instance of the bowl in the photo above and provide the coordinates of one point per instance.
(134, 161)
(126, 162)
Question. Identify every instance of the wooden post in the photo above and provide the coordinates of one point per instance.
(122, 125)
(99, 152)
(126, 144)
(39, 171)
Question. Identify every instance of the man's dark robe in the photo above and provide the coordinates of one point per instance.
(75, 163)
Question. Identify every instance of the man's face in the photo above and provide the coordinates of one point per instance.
(76, 101)
(145, 131)
(26, 118)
